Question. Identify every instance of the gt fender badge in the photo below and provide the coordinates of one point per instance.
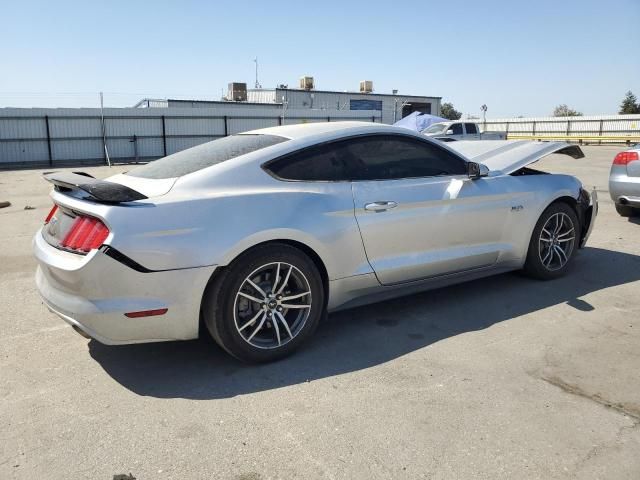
(516, 208)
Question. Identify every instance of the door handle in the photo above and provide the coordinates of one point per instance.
(380, 206)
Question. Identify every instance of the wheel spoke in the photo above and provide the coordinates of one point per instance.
(559, 223)
(295, 306)
(284, 323)
(275, 284)
(561, 255)
(264, 317)
(257, 288)
(292, 297)
(274, 322)
(566, 239)
(286, 279)
(253, 299)
(251, 322)
(568, 232)
(549, 252)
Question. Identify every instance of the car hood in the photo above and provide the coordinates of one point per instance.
(508, 156)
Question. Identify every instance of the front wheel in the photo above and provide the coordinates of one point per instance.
(265, 304)
(553, 243)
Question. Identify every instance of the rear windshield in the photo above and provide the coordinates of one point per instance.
(205, 155)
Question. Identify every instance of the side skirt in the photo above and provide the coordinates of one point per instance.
(365, 289)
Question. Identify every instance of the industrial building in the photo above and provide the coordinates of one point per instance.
(387, 108)
(155, 128)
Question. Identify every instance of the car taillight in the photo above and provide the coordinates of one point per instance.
(53, 211)
(86, 233)
(625, 157)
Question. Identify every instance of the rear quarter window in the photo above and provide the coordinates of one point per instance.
(205, 155)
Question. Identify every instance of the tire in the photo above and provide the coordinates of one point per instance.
(264, 328)
(625, 210)
(544, 261)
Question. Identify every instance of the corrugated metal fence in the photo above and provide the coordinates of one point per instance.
(591, 129)
(63, 137)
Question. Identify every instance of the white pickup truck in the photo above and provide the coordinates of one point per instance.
(456, 130)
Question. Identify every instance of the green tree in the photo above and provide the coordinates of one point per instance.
(564, 111)
(629, 104)
(449, 112)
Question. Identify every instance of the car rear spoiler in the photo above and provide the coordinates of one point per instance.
(98, 190)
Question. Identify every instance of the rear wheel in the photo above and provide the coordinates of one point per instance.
(624, 210)
(265, 304)
(553, 243)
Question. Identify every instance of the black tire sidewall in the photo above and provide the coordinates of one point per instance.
(219, 302)
(533, 265)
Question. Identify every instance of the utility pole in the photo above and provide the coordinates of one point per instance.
(104, 131)
(395, 105)
(257, 84)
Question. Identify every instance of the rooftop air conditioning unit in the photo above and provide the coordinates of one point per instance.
(366, 86)
(237, 92)
(306, 83)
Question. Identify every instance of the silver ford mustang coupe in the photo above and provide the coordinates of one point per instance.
(257, 235)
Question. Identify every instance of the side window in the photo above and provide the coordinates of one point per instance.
(457, 128)
(384, 157)
(471, 128)
(323, 163)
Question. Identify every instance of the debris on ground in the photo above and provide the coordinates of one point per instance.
(5, 204)
(29, 207)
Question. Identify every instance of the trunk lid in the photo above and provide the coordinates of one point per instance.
(82, 205)
(508, 156)
(633, 167)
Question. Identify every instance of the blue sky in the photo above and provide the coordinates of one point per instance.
(520, 58)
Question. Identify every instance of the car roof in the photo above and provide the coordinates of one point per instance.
(302, 130)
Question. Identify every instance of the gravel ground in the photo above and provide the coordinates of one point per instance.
(504, 377)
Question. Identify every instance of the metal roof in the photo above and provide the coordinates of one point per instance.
(357, 93)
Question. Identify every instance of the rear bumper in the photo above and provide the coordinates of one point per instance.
(625, 190)
(93, 292)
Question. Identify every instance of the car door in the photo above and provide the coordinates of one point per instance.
(471, 131)
(419, 214)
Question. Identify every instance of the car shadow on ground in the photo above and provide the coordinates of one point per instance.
(363, 337)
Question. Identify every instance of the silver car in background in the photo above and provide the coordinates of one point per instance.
(259, 235)
(624, 182)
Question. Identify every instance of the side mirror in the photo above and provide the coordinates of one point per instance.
(476, 170)
(449, 132)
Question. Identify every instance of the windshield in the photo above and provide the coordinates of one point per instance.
(435, 128)
(205, 155)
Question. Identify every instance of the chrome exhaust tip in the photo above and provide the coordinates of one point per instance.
(80, 332)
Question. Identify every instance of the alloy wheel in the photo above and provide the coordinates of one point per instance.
(272, 305)
(557, 239)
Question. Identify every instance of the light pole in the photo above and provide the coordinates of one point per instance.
(395, 104)
(484, 114)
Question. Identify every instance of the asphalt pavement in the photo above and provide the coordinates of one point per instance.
(500, 378)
